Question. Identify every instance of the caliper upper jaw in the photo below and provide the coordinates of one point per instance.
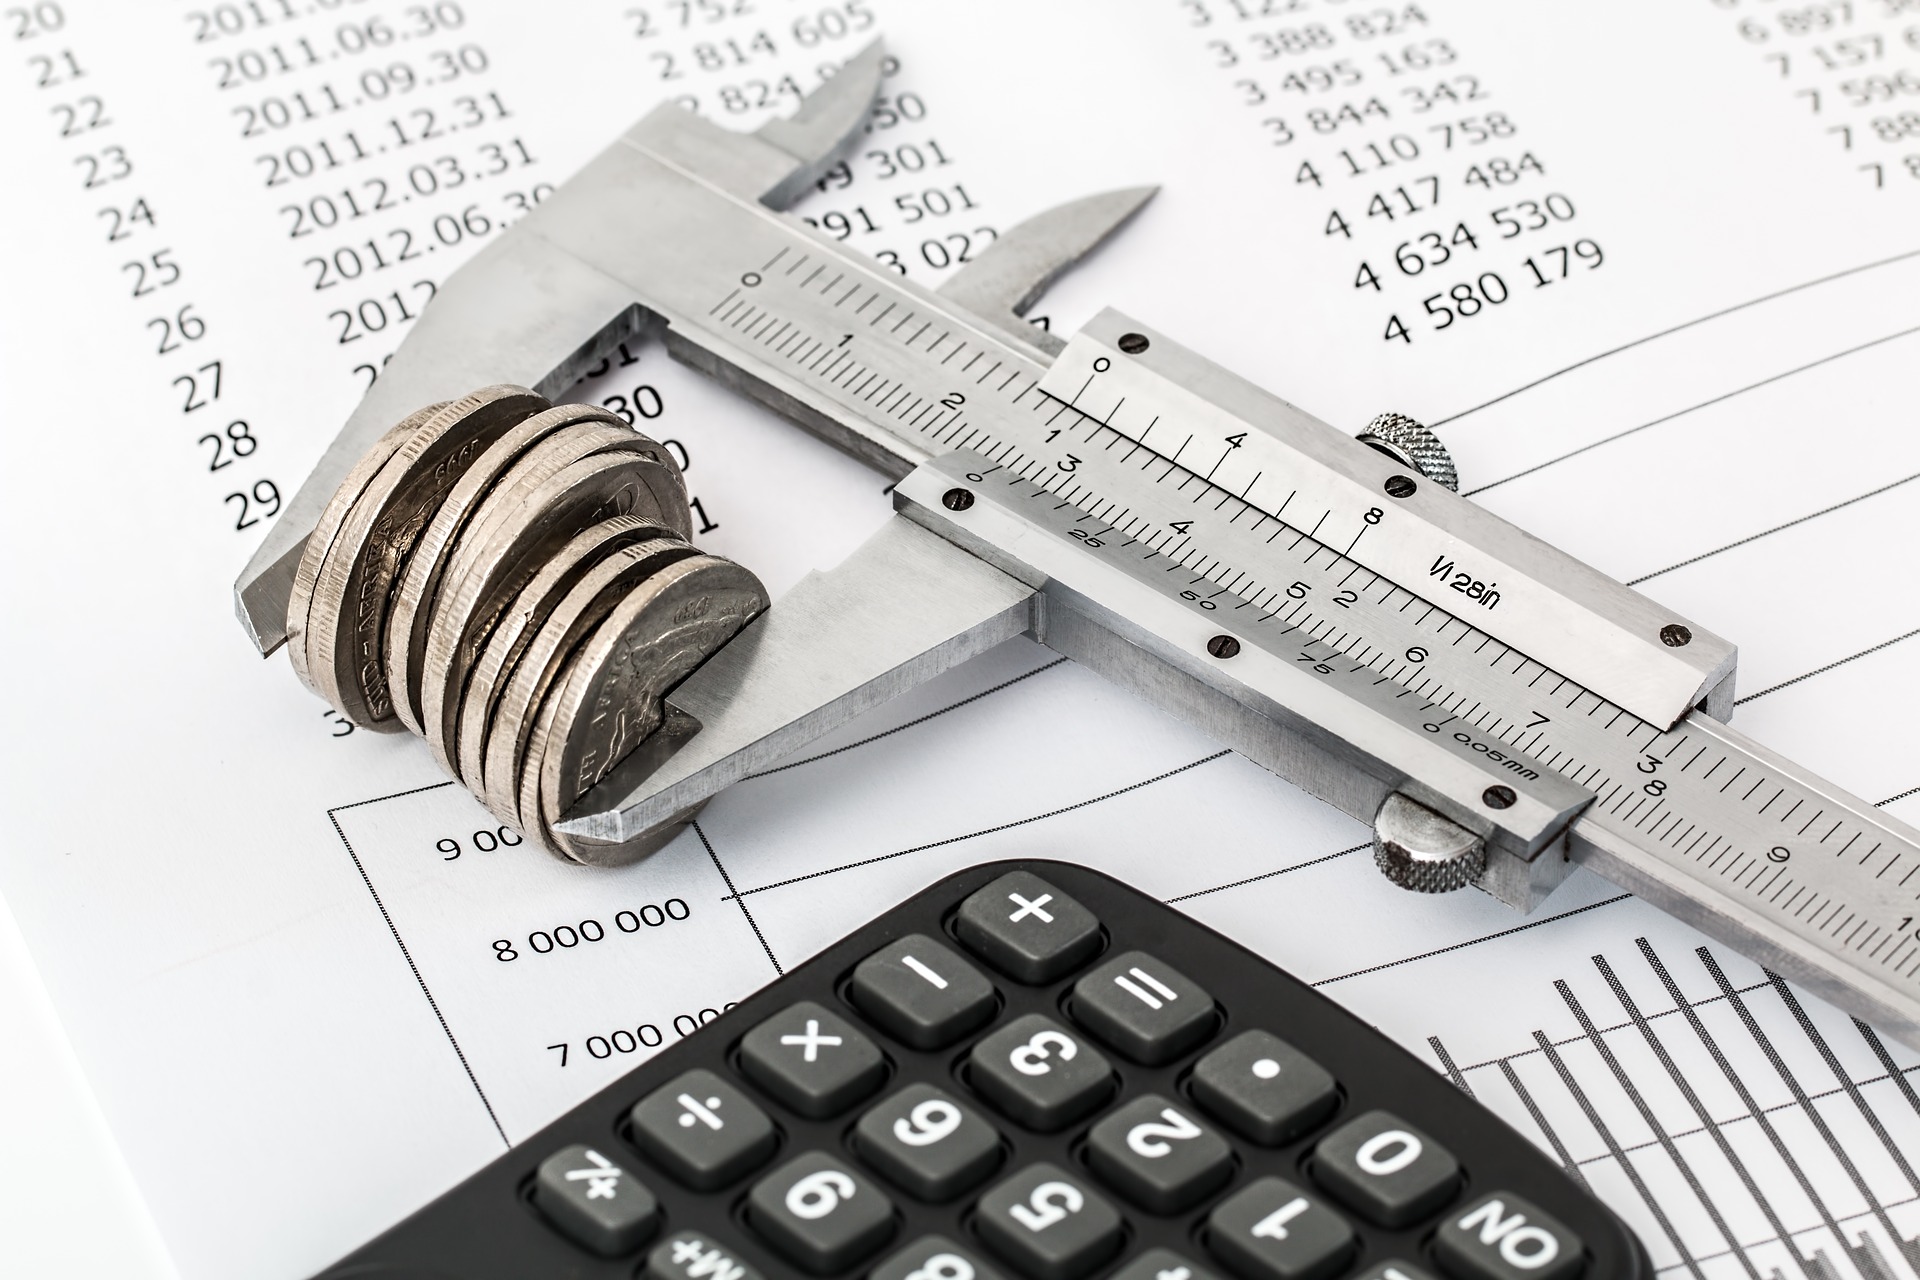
(526, 311)
(778, 162)
(1002, 283)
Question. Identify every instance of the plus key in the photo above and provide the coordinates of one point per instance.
(1027, 928)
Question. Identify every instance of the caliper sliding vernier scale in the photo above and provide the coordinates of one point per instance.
(1497, 710)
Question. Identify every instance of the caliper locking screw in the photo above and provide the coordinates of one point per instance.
(1411, 445)
(957, 499)
(1223, 646)
(1418, 849)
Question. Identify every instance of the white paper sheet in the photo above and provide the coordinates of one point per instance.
(250, 925)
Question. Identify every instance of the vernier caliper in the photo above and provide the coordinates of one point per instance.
(1327, 606)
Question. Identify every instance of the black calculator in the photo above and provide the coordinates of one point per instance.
(1029, 1071)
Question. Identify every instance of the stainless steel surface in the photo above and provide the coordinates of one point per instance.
(1418, 849)
(1363, 643)
(1223, 431)
(1413, 446)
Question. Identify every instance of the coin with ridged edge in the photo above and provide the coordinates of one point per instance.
(518, 623)
(612, 696)
(591, 599)
(530, 516)
(307, 573)
(419, 586)
(346, 627)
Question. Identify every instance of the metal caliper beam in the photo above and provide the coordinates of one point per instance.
(1047, 493)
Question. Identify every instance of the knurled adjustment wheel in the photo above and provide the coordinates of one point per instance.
(1412, 445)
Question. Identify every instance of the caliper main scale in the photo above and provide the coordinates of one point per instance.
(1497, 710)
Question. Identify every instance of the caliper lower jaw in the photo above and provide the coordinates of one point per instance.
(966, 565)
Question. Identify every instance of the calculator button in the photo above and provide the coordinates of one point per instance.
(1272, 1230)
(1502, 1237)
(1385, 1170)
(1263, 1088)
(1162, 1264)
(1157, 1155)
(1049, 1226)
(594, 1202)
(1027, 929)
(924, 1141)
(812, 1060)
(933, 1258)
(1394, 1269)
(1143, 1007)
(1040, 1073)
(922, 993)
(702, 1130)
(688, 1255)
(820, 1214)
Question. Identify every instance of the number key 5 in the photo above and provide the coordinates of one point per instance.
(1048, 1225)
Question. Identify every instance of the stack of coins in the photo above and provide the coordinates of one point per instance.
(513, 581)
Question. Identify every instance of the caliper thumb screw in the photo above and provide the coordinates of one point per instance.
(1418, 849)
(1412, 445)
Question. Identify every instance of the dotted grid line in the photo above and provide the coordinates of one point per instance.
(1839, 662)
(1684, 325)
(1692, 408)
(441, 1018)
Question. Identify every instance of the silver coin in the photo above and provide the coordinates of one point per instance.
(610, 699)
(307, 574)
(502, 748)
(520, 621)
(574, 479)
(419, 586)
(346, 624)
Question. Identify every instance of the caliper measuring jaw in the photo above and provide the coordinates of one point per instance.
(1497, 711)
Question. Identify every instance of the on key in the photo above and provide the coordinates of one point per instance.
(1502, 1237)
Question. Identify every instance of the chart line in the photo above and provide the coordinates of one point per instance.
(1678, 328)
